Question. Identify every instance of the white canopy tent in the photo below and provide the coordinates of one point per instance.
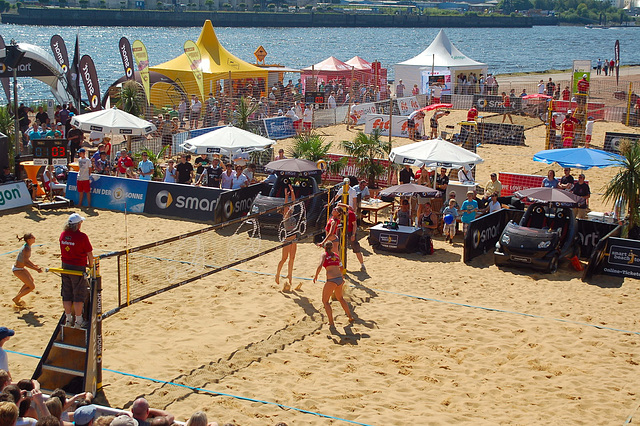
(432, 153)
(40, 64)
(443, 57)
(227, 140)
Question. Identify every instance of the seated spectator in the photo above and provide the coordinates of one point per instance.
(5, 379)
(240, 180)
(465, 175)
(102, 165)
(550, 181)
(50, 183)
(108, 421)
(493, 205)
(7, 176)
(84, 416)
(70, 405)
(492, 186)
(363, 190)
(199, 419)
(8, 413)
(566, 181)
(142, 413)
(250, 173)
(403, 215)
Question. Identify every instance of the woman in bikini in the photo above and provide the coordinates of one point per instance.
(20, 267)
(332, 229)
(288, 251)
(334, 282)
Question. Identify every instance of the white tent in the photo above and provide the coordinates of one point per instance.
(228, 140)
(432, 153)
(113, 120)
(441, 56)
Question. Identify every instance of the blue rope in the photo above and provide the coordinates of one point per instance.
(193, 388)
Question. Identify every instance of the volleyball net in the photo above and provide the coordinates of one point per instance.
(144, 271)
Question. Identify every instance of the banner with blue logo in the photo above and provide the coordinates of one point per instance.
(182, 201)
(111, 193)
(279, 127)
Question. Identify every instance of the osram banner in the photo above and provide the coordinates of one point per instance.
(60, 54)
(14, 195)
(111, 193)
(408, 105)
(382, 123)
(512, 182)
(193, 54)
(484, 232)
(279, 127)
(360, 111)
(142, 60)
(389, 178)
(236, 203)
(90, 79)
(124, 47)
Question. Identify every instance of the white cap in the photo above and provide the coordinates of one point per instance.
(75, 219)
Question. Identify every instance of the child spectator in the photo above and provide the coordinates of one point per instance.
(449, 229)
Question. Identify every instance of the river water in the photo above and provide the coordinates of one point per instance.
(505, 50)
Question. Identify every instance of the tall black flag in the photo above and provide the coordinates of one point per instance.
(90, 79)
(617, 59)
(59, 50)
(5, 80)
(73, 76)
(127, 57)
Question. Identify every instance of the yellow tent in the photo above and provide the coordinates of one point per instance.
(217, 64)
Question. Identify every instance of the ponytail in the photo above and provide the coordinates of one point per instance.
(25, 237)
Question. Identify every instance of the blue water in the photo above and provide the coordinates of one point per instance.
(505, 50)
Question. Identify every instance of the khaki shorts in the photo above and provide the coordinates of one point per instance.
(74, 287)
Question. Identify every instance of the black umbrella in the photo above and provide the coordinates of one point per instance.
(552, 196)
(293, 167)
(409, 189)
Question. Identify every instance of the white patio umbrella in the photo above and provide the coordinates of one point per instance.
(227, 140)
(433, 153)
(114, 121)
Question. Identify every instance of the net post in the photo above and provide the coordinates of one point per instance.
(345, 217)
(126, 271)
(629, 103)
(98, 321)
(547, 142)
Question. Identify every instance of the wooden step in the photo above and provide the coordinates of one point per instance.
(63, 370)
(69, 347)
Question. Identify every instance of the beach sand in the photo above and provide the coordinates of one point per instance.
(436, 341)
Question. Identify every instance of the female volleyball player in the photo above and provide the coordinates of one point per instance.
(335, 281)
(22, 263)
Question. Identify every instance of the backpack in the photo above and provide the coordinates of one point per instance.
(425, 245)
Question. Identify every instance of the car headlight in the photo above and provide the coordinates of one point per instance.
(506, 239)
(544, 244)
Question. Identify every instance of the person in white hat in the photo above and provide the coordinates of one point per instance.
(76, 254)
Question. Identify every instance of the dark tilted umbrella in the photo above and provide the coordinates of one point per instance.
(293, 167)
(552, 196)
(409, 189)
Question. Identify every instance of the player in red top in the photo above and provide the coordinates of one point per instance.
(568, 127)
(352, 234)
(76, 253)
(472, 114)
(506, 101)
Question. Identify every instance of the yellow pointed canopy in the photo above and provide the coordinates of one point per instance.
(217, 62)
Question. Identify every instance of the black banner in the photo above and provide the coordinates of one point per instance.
(60, 54)
(236, 203)
(501, 133)
(612, 140)
(127, 57)
(485, 231)
(90, 79)
(182, 201)
(623, 258)
(616, 55)
(5, 80)
(73, 76)
(494, 103)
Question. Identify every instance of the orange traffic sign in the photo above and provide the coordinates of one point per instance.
(260, 53)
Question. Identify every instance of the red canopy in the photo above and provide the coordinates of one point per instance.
(331, 64)
(358, 63)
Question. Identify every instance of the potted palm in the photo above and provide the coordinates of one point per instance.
(624, 187)
(368, 151)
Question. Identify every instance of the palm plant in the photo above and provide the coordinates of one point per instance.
(310, 147)
(624, 187)
(368, 150)
(129, 100)
(154, 158)
(243, 111)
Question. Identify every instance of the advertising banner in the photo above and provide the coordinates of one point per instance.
(501, 133)
(142, 60)
(623, 258)
(124, 47)
(279, 127)
(111, 193)
(612, 140)
(360, 111)
(485, 231)
(441, 75)
(512, 182)
(90, 79)
(14, 195)
(408, 105)
(5, 80)
(593, 109)
(60, 54)
(181, 201)
(390, 177)
(580, 68)
(590, 233)
(236, 203)
(73, 76)
(494, 103)
(381, 122)
(193, 54)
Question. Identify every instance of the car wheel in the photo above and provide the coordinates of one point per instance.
(553, 264)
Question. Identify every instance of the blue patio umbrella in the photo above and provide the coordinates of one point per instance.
(578, 158)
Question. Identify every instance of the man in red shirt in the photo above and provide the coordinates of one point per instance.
(76, 253)
(583, 85)
(125, 164)
(352, 234)
(472, 114)
(566, 94)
